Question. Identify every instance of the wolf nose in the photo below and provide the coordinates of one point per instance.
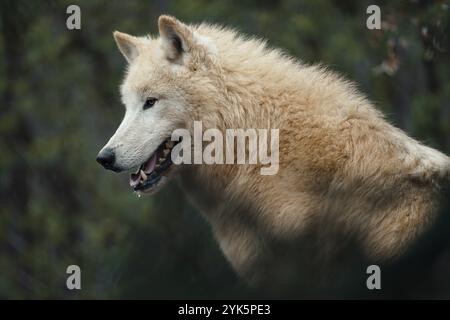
(106, 158)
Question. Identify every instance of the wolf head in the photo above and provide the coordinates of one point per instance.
(160, 96)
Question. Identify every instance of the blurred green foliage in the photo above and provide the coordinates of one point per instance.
(60, 104)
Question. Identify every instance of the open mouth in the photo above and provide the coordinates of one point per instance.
(151, 171)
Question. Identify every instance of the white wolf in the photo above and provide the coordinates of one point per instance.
(346, 175)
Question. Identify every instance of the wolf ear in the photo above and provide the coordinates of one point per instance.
(177, 38)
(127, 44)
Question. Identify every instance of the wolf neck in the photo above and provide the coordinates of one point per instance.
(234, 103)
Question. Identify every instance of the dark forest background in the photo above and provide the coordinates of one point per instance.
(59, 103)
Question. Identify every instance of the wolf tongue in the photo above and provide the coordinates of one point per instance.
(147, 167)
(150, 164)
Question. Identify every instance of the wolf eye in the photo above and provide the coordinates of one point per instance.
(150, 102)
